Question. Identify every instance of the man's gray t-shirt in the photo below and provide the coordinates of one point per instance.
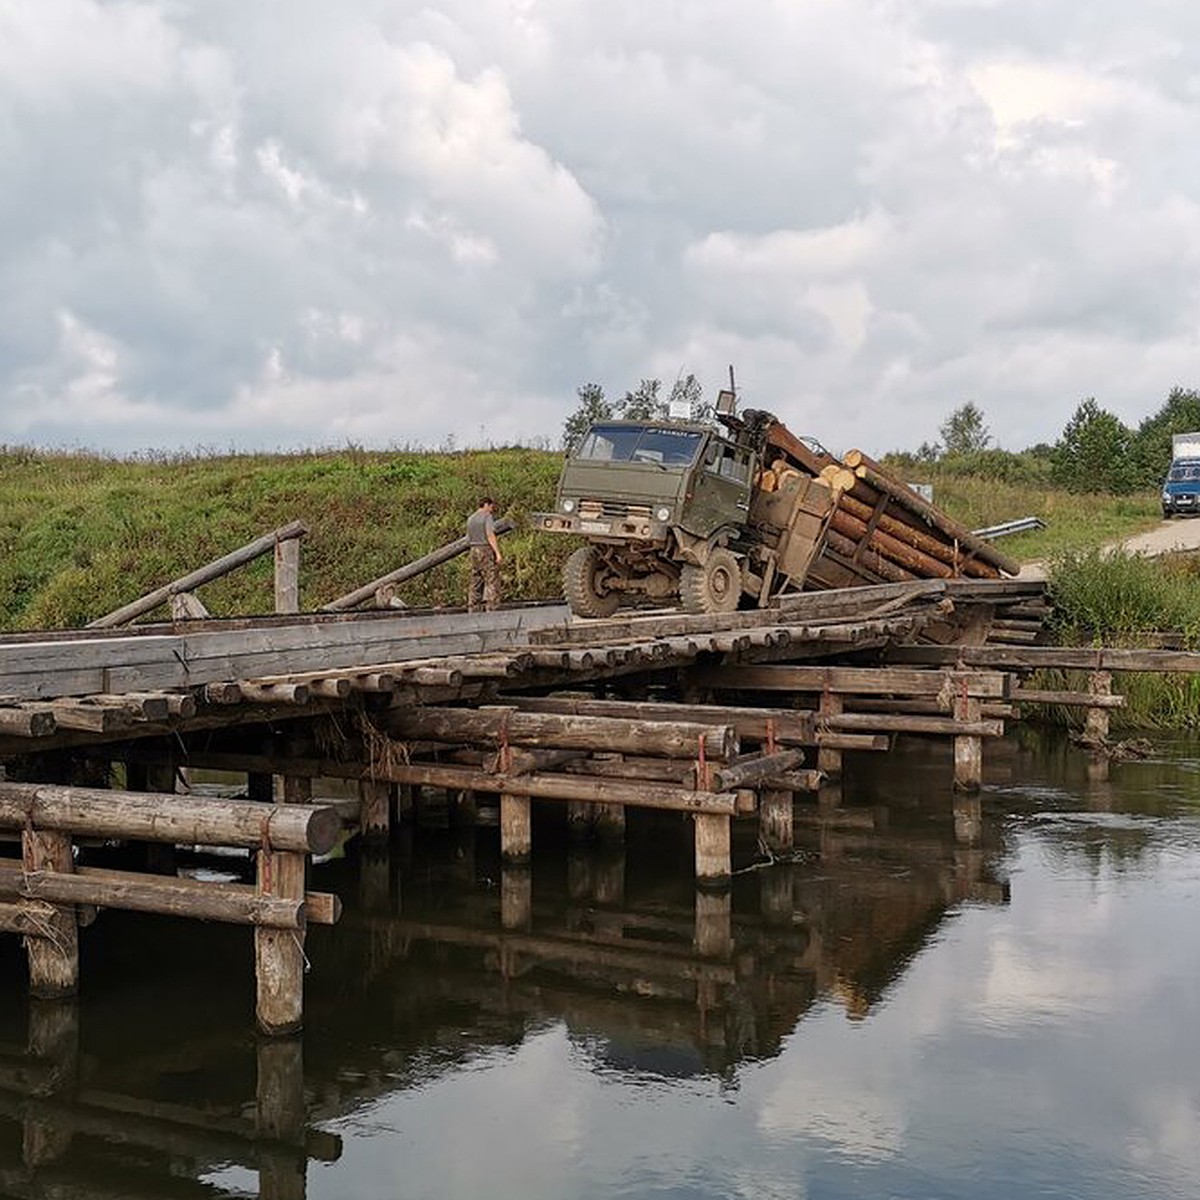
(479, 524)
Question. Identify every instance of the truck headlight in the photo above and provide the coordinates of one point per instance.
(663, 514)
(1166, 496)
(568, 506)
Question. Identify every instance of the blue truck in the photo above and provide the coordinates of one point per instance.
(1181, 488)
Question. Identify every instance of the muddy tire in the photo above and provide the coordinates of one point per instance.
(583, 575)
(715, 587)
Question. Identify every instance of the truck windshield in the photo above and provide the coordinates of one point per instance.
(1182, 471)
(640, 443)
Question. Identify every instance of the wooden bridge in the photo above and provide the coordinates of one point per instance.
(722, 719)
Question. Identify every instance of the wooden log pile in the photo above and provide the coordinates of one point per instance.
(45, 896)
(835, 523)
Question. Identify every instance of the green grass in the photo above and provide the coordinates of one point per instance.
(82, 534)
(1116, 599)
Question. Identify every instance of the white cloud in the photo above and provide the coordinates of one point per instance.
(874, 211)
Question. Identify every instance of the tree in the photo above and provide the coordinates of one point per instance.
(1151, 450)
(592, 407)
(1092, 455)
(964, 431)
(643, 403)
(687, 389)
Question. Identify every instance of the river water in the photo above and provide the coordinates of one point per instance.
(938, 998)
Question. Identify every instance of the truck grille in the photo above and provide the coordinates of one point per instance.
(610, 510)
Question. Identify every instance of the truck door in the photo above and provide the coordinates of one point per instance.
(721, 494)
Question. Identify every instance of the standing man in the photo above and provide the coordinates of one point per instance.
(485, 557)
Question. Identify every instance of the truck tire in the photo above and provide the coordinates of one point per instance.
(582, 574)
(715, 587)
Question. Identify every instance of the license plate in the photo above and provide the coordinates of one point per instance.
(594, 526)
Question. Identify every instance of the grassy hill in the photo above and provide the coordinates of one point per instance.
(81, 534)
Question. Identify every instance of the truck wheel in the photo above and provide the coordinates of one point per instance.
(715, 587)
(583, 573)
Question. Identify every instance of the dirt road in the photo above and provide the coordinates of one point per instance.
(1178, 534)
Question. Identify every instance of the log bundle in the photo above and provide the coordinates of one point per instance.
(827, 522)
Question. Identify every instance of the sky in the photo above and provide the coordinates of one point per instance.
(295, 223)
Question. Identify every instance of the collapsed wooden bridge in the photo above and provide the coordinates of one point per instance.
(722, 719)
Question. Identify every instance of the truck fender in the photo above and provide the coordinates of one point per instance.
(695, 550)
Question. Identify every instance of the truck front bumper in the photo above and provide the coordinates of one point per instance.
(613, 529)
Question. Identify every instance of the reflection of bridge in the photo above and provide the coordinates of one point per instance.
(442, 947)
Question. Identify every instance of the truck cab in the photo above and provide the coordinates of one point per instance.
(659, 503)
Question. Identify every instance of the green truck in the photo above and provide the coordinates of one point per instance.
(674, 510)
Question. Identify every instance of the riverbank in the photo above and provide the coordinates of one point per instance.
(82, 533)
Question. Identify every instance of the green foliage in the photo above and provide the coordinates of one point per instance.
(1113, 599)
(82, 534)
(964, 432)
(1151, 449)
(644, 403)
(1092, 455)
(593, 407)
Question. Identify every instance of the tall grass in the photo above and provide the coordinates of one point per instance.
(1115, 599)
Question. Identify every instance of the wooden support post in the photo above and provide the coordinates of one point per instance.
(516, 828)
(968, 748)
(830, 795)
(579, 820)
(1095, 730)
(287, 576)
(279, 961)
(54, 1042)
(280, 1117)
(375, 808)
(775, 821)
(829, 761)
(713, 854)
(608, 879)
(54, 952)
(714, 924)
(580, 887)
(608, 821)
(516, 897)
(968, 820)
(374, 878)
(775, 894)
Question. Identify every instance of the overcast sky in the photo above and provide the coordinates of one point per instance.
(297, 222)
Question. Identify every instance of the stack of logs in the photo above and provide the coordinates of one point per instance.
(877, 529)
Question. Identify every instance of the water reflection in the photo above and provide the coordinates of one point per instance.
(881, 1015)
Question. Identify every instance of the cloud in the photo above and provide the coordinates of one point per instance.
(875, 212)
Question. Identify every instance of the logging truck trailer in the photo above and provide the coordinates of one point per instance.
(683, 511)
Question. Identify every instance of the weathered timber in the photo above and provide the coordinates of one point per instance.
(917, 538)
(753, 770)
(968, 746)
(244, 691)
(28, 721)
(879, 479)
(564, 787)
(757, 724)
(826, 740)
(714, 865)
(901, 552)
(54, 951)
(1033, 658)
(1066, 699)
(678, 739)
(235, 904)
(194, 579)
(116, 662)
(91, 718)
(516, 828)
(861, 681)
(775, 828)
(660, 770)
(144, 706)
(287, 575)
(29, 920)
(798, 781)
(409, 571)
(194, 820)
(905, 723)
(869, 562)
